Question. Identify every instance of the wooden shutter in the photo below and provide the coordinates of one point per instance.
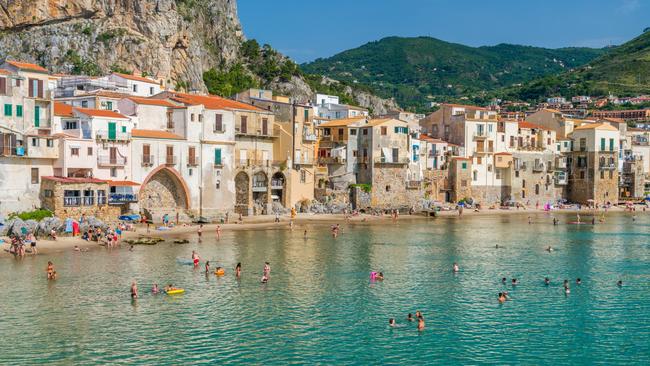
(2, 144)
(265, 126)
(145, 150)
(31, 87)
(40, 88)
(191, 154)
(244, 122)
(3, 85)
(218, 123)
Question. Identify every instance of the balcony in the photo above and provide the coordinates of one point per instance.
(13, 150)
(560, 163)
(484, 150)
(147, 160)
(480, 135)
(277, 184)
(304, 161)
(384, 160)
(413, 184)
(520, 166)
(103, 135)
(260, 186)
(607, 166)
(331, 160)
(309, 137)
(538, 167)
(561, 179)
(78, 201)
(120, 198)
(111, 161)
(193, 161)
(170, 160)
(252, 132)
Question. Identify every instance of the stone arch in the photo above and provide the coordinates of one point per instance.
(279, 187)
(260, 192)
(242, 192)
(164, 189)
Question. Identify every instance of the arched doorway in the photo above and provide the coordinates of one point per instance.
(260, 192)
(163, 191)
(278, 187)
(241, 193)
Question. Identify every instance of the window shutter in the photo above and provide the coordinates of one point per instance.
(3, 85)
(19, 111)
(40, 88)
(31, 87)
(217, 156)
(8, 110)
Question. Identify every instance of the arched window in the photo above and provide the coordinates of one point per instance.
(475, 175)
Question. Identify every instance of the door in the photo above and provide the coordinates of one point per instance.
(37, 116)
(113, 155)
(112, 130)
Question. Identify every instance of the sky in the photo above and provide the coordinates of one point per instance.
(306, 30)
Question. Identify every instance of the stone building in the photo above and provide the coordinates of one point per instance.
(74, 197)
(460, 178)
(338, 151)
(593, 164)
(632, 177)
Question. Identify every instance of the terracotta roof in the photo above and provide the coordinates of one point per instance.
(596, 126)
(431, 139)
(100, 113)
(503, 153)
(613, 120)
(460, 158)
(155, 134)
(5, 72)
(213, 102)
(74, 180)
(377, 122)
(465, 106)
(122, 183)
(108, 94)
(136, 78)
(530, 125)
(63, 110)
(634, 129)
(27, 66)
(342, 122)
(64, 135)
(153, 101)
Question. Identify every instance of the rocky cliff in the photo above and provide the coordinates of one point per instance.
(173, 40)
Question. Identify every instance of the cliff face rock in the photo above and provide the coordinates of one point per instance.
(175, 40)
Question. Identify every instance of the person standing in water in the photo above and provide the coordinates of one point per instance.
(195, 259)
(456, 268)
(420, 323)
(238, 270)
(266, 272)
(134, 290)
(207, 267)
(50, 270)
(200, 232)
(218, 232)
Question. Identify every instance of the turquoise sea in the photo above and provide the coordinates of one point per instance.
(320, 307)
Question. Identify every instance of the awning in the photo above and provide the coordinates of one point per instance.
(122, 183)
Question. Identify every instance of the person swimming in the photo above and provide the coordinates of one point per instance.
(154, 289)
(391, 322)
(619, 283)
(503, 280)
(567, 290)
(514, 281)
(50, 270)
(549, 249)
(547, 281)
(418, 314)
(455, 267)
(420, 323)
(134, 290)
(578, 281)
(195, 259)
(502, 297)
(379, 276)
(207, 267)
(410, 317)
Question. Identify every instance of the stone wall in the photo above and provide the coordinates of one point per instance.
(436, 185)
(530, 186)
(460, 179)
(389, 188)
(54, 202)
(600, 185)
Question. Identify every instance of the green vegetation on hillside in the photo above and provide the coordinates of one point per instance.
(417, 70)
(624, 71)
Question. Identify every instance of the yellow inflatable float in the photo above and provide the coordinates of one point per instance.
(175, 291)
(220, 272)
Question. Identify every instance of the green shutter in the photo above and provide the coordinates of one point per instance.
(8, 110)
(306, 114)
(109, 106)
(37, 116)
(464, 165)
(112, 131)
(611, 144)
(19, 111)
(602, 144)
(217, 156)
(123, 129)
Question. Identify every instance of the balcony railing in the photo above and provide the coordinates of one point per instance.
(115, 136)
(193, 161)
(607, 166)
(331, 160)
(384, 160)
(122, 198)
(78, 201)
(101, 200)
(170, 160)
(413, 184)
(260, 186)
(480, 135)
(245, 163)
(111, 161)
(309, 137)
(13, 150)
(254, 132)
(538, 167)
(147, 160)
(277, 184)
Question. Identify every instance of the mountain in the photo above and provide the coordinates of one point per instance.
(625, 70)
(415, 70)
(187, 43)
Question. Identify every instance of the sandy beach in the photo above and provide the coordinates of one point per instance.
(64, 243)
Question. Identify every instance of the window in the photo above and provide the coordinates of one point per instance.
(109, 106)
(583, 144)
(217, 156)
(49, 143)
(523, 183)
(602, 174)
(8, 110)
(388, 188)
(48, 193)
(512, 141)
(365, 132)
(192, 117)
(353, 131)
(90, 151)
(170, 120)
(151, 90)
(341, 132)
(35, 141)
(218, 123)
(19, 110)
(499, 174)
(113, 172)
(123, 129)
(244, 124)
(70, 125)
(3, 86)
(35, 88)
(84, 104)
(582, 174)
(135, 88)
(611, 144)
(265, 126)
(611, 174)
(303, 176)
(34, 175)
(37, 116)
(503, 138)
(74, 151)
(384, 130)
(464, 165)
(475, 176)
(306, 115)
(536, 188)
(200, 117)
(602, 144)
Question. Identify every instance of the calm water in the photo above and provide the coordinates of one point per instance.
(319, 306)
